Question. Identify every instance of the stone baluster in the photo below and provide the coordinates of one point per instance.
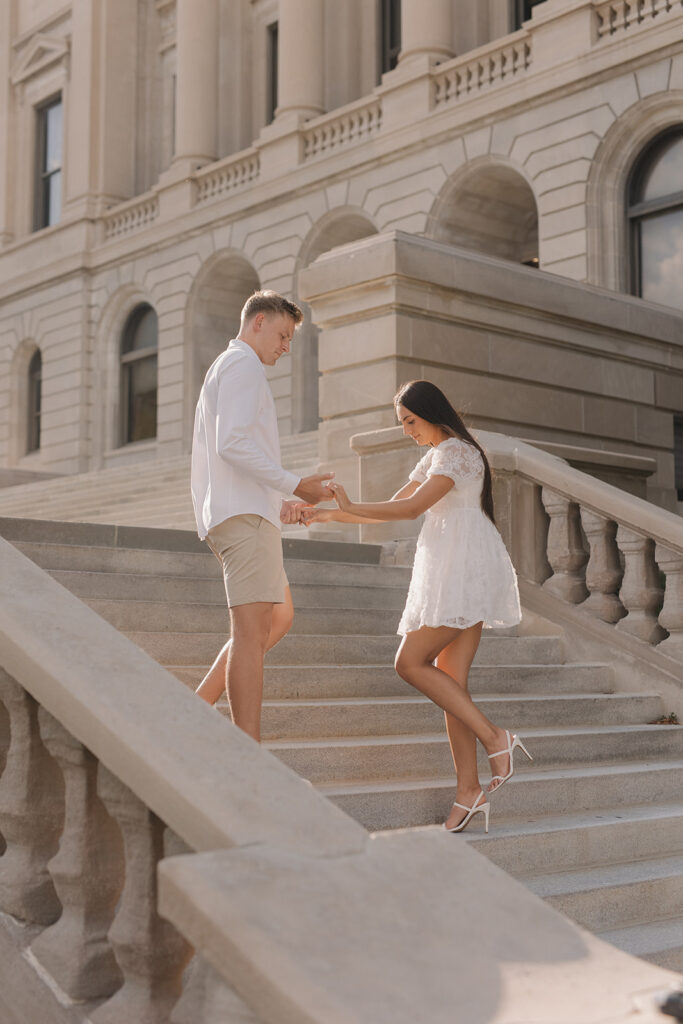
(671, 615)
(87, 872)
(149, 950)
(641, 593)
(209, 999)
(31, 812)
(566, 552)
(4, 747)
(603, 572)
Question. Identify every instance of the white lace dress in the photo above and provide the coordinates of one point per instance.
(462, 572)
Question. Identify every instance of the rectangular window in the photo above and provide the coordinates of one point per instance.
(523, 10)
(678, 455)
(389, 35)
(48, 199)
(271, 93)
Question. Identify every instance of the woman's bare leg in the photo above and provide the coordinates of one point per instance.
(214, 682)
(414, 663)
(455, 660)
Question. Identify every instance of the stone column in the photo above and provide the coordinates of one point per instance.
(196, 118)
(99, 159)
(300, 66)
(7, 33)
(426, 30)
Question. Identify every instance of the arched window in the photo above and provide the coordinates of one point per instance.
(35, 375)
(139, 376)
(655, 211)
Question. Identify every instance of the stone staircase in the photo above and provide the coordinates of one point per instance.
(154, 492)
(594, 825)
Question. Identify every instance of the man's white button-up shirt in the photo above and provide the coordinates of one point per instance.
(236, 466)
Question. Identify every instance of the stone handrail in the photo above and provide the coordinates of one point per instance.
(131, 216)
(590, 544)
(227, 175)
(616, 16)
(353, 123)
(138, 827)
(493, 64)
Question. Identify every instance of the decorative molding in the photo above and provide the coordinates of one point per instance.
(167, 11)
(42, 52)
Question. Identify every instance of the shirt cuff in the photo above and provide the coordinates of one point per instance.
(290, 482)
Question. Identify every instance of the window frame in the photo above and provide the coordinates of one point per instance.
(42, 176)
(129, 356)
(639, 210)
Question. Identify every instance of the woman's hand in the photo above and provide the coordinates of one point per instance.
(316, 515)
(340, 496)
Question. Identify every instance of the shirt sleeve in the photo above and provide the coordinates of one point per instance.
(419, 474)
(237, 409)
(458, 460)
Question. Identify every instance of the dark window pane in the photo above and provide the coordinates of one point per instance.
(678, 454)
(271, 105)
(142, 399)
(141, 330)
(523, 10)
(389, 34)
(664, 175)
(54, 208)
(53, 138)
(35, 372)
(661, 258)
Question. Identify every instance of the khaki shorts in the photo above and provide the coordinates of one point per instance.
(249, 548)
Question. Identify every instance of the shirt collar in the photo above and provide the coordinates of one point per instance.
(243, 347)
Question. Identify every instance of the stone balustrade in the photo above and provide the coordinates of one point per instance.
(343, 127)
(495, 64)
(130, 216)
(227, 175)
(617, 16)
(614, 557)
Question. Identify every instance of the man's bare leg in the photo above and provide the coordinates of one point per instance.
(214, 682)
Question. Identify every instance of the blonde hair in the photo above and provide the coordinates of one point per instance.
(270, 302)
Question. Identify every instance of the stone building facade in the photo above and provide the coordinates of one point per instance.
(162, 158)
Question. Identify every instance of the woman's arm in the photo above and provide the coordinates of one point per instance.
(401, 506)
(325, 515)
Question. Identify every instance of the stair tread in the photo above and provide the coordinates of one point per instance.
(651, 937)
(529, 776)
(330, 702)
(585, 879)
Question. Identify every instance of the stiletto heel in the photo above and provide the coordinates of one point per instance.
(471, 811)
(512, 742)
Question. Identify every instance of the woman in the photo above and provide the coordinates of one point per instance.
(462, 581)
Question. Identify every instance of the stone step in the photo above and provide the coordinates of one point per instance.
(402, 715)
(172, 617)
(614, 895)
(541, 844)
(306, 682)
(660, 942)
(403, 804)
(201, 648)
(380, 758)
(309, 593)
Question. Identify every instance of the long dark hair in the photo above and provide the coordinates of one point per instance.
(425, 400)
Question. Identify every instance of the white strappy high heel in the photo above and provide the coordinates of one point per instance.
(513, 741)
(471, 811)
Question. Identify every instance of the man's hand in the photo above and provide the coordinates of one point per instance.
(313, 489)
(291, 512)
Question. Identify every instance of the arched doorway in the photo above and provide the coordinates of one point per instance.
(213, 315)
(337, 228)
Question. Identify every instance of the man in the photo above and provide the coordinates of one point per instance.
(237, 487)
